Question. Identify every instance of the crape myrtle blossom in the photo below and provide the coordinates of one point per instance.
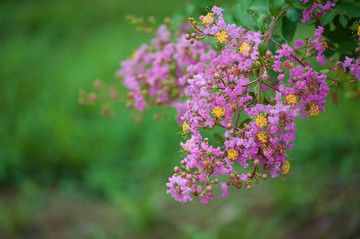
(157, 74)
(353, 64)
(235, 84)
(317, 8)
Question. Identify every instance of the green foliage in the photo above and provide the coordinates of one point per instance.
(275, 6)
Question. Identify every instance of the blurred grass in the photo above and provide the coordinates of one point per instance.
(66, 172)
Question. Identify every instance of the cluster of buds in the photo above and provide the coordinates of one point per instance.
(251, 98)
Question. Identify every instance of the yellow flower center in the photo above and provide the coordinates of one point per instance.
(222, 36)
(233, 154)
(261, 121)
(218, 111)
(186, 147)
(285, 167)
(244, 47)
(291, 99)
(133, 55)
(208, 19)
(314, 110)
(262, 137)
(185, 127)
(358, 31)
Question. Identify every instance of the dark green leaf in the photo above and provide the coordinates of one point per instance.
(327, 18)
(300, 5)
(294, 15)
(343, 21)
(219, 138)
(278, 39)
(262, 48)
(245, 121)
(349, 9)
(288, 28)
(275, 6)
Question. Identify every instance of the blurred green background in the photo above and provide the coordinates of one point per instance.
(67, 172)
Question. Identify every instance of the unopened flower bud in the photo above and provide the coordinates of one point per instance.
(332, 59)
(216, 75)
(231, 175)
(182, 162)
(130, 95)
(229, 125)
(248, 187)
(97, 84)
(209, 188)
(256, 162)
(216, 180)
(187, 36)
(206, 140)
(268, 53)
(189, 176)
(264, 176)
(167, 21)
(247, 127)
(357, 50)
(265, 76)
(193, 35)
(177, 169)
(192, 41)
(249, 175)
(202, 195)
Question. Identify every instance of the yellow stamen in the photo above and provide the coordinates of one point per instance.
(358, 31)
(314, 110)
(244, 47)
(218, 111)
(233, 154)
(208, 19)
(285, 167)
(291, 99)
(185, 127)
(262, 137)
(261, 121)
(222, 36)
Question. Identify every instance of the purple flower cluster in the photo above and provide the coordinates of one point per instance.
(351, 63)
(236, 84)
(157, 74)
(317, 8)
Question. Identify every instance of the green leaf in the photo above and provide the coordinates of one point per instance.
(278, 39)
(219, 138)
(261, 21)
(343, 21)
(245, 121)
(288, 28)
(242, 17)
(262, 48)
(294, 15)
(327, 18)
(349, 9)
(275, 6)
(259, 6)
(300, 5)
